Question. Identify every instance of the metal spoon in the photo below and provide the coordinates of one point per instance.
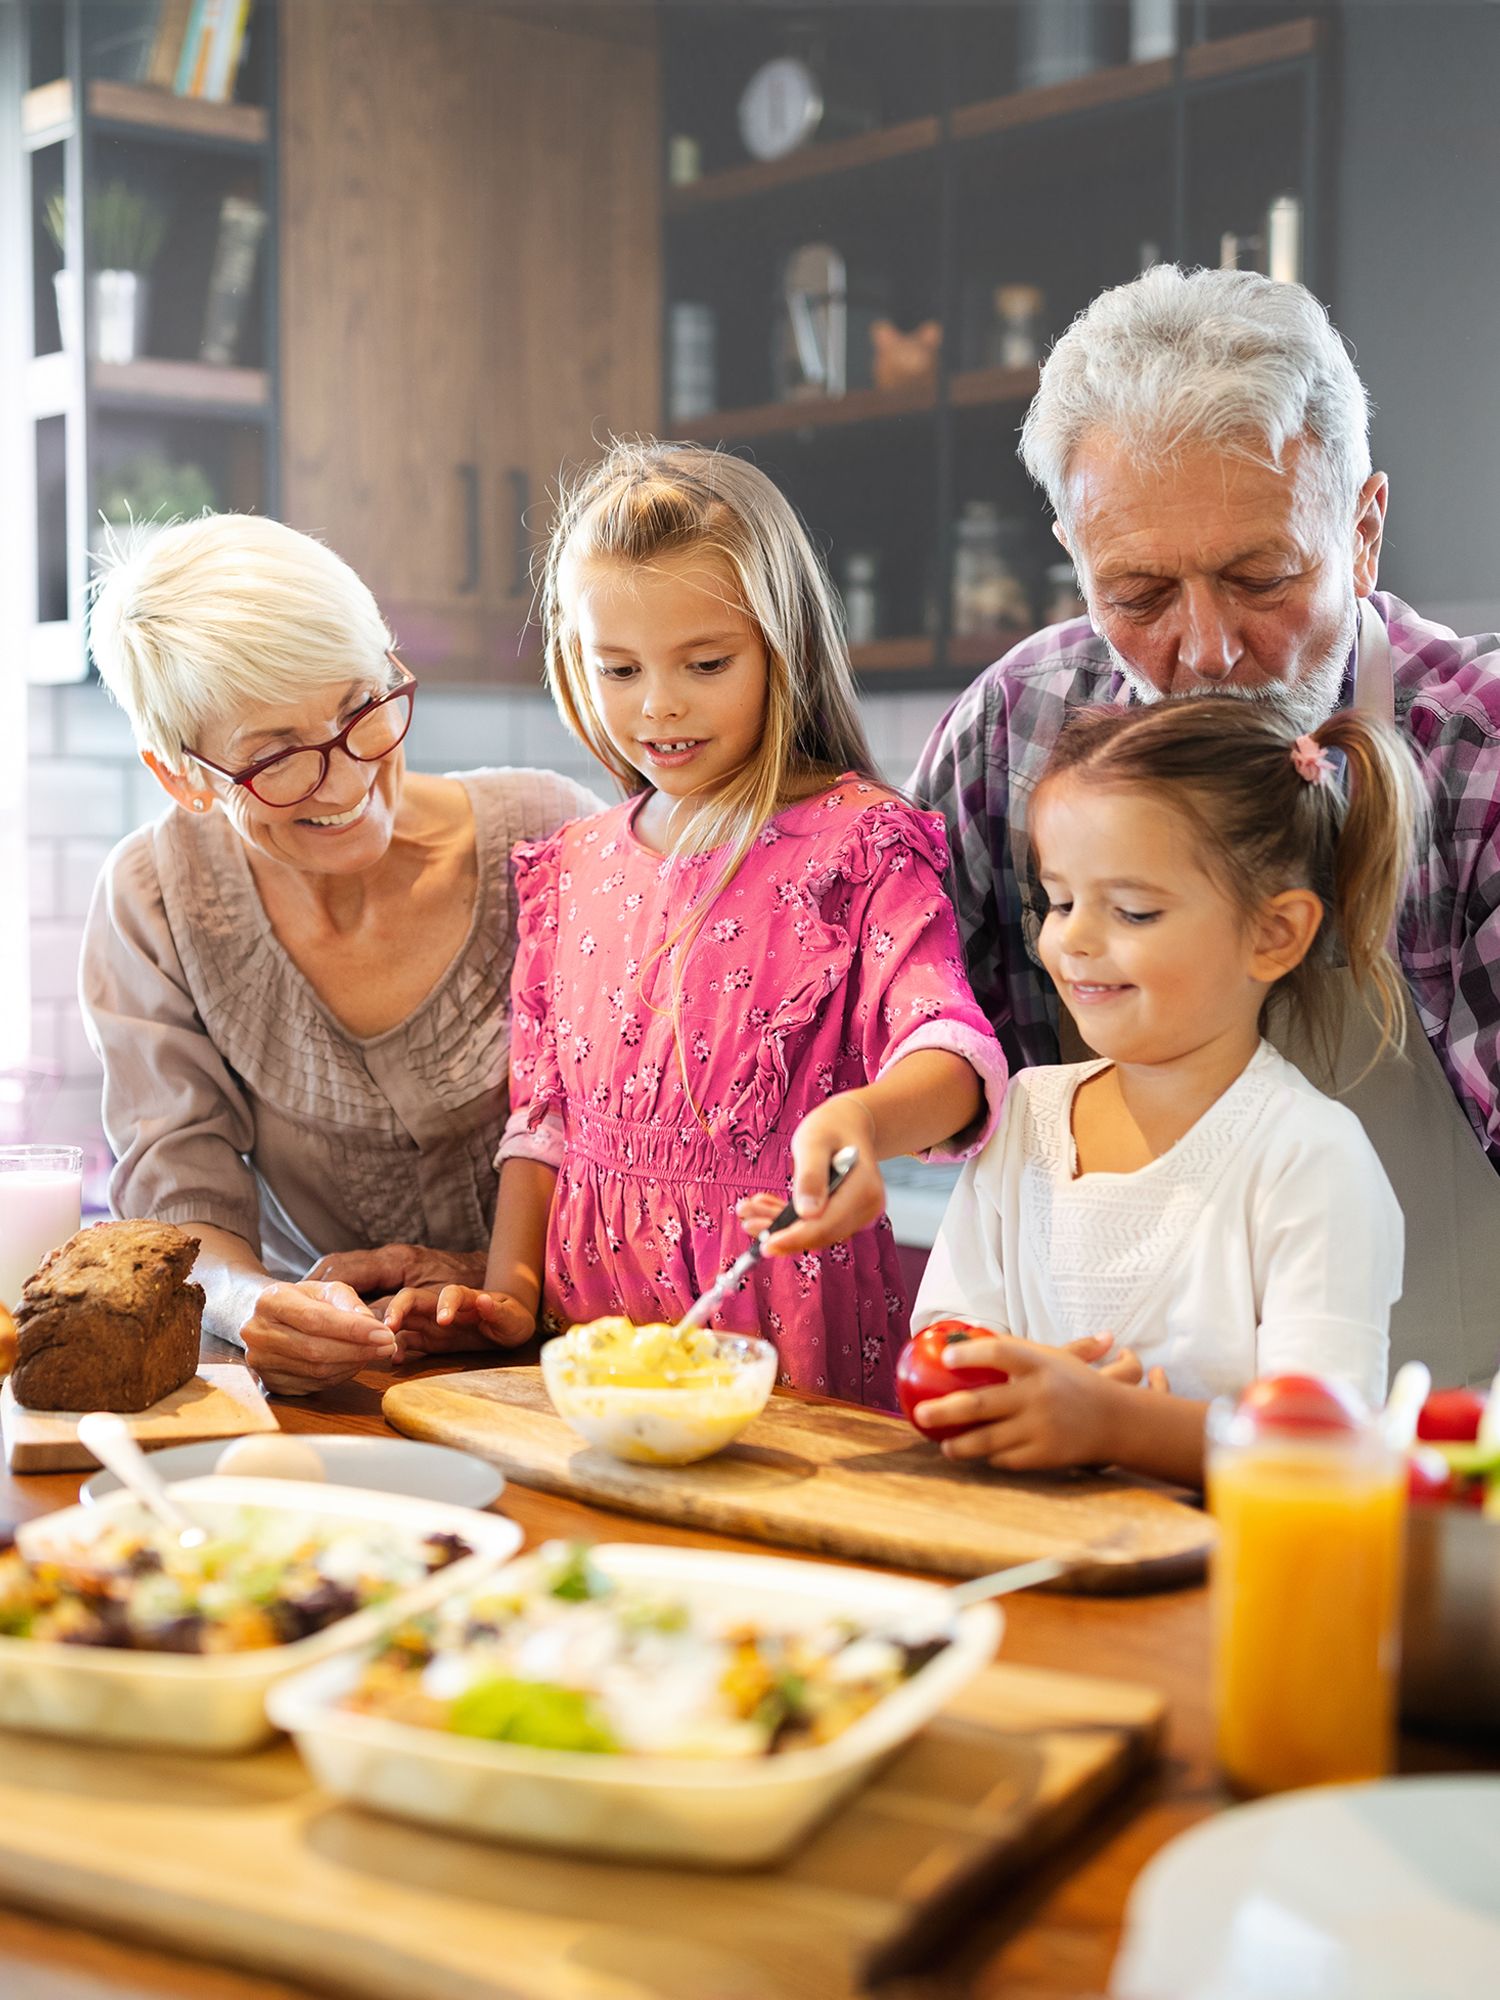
(108, 1438)
(839, 1170)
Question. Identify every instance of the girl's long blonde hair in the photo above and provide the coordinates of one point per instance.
(645, 500)
(1227, 766)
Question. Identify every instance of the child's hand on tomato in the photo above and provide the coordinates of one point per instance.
(823, 1218)
(1055, 1408)
(454, 1319)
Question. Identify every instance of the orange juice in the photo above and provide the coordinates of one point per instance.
(1306, 1606)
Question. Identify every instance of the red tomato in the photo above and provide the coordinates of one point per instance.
(1301, 1403)
(922, 1373)
(1450, 1416)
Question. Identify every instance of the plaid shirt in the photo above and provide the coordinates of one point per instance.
(985, 757)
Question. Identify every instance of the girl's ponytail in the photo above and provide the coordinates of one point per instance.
(1373, 854)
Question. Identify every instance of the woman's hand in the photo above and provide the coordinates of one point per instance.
(456, 1319)
(382, 1272)
(823, 1218)
(302, 1338)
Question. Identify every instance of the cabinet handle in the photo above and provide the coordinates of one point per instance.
(468, 476)
(520, 488)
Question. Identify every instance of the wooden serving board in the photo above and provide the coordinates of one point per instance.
(243, 1861)
(220, 1401)
(830, 1477)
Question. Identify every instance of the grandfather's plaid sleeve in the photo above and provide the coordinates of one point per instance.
(1472, 1055)
(960, 778)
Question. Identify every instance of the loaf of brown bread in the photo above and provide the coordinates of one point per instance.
(109, 1322)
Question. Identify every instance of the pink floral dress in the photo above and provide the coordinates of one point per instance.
(831, 954)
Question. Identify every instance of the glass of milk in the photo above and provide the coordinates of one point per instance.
(41, 1205)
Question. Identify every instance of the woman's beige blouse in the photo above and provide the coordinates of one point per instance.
(232, 1096)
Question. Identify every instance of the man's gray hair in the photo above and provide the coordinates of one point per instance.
(1190, 357)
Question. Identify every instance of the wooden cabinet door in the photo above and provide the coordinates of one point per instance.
(383, 296)
(471, 294)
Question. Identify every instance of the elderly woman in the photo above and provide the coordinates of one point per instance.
(297, 977)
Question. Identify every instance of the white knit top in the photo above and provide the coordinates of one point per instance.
(1266, 1241)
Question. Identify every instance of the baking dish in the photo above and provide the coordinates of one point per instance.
(716, 1812)
(216, 1702)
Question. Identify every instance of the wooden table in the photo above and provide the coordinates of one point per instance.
(1053, 1934)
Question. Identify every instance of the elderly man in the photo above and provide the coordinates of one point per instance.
(1203, 440)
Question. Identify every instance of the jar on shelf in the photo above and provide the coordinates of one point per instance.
(862, 619)
(990, 591)
(692, 367)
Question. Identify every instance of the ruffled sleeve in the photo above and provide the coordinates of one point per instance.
(911, 991)
(534, 1130)
(872, 917)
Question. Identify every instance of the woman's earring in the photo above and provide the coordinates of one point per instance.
(200, 805)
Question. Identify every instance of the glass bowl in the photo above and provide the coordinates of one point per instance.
(665, 1422)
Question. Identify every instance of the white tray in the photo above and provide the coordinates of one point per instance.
(714, 1812)
(216, 1702)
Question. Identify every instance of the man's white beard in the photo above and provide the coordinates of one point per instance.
(1301, 704)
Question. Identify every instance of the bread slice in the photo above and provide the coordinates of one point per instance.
(109, 1322)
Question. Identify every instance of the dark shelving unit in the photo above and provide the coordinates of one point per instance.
(967, 182)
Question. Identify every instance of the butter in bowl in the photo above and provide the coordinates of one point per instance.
(657, 1395)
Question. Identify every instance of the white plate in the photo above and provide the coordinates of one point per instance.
(1353, 1892)
(217, 1701)
(714, 1812)
(379, 1465)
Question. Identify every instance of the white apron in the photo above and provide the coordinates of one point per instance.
(1449, 1311)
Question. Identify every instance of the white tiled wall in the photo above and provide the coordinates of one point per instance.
(86, 790)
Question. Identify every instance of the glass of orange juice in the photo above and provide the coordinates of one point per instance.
(1310, 1503)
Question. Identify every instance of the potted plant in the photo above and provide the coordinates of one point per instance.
(146, 493)
(125, 229)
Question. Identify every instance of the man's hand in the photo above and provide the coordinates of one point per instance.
(823, 1218)
(456, 1319)
(301, 1338)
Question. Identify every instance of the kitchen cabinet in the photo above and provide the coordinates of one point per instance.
(471, 295)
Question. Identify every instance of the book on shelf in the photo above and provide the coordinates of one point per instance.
(213, 40)
(231, 277)
(166, 47)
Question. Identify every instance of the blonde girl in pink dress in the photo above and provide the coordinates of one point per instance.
(746, 965)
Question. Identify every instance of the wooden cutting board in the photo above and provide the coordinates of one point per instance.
(220, 1401)
(831, 1477)
(243, 1861)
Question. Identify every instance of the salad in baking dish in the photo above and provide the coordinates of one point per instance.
(558, 1655)
(265, 1577)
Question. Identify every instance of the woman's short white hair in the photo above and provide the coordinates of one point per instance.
(1188, 357)
(200, 620)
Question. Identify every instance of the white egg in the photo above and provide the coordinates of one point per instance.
(271, 1458)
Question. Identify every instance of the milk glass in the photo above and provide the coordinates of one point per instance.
(41, 1206)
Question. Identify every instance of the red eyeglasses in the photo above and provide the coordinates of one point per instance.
(287, 777)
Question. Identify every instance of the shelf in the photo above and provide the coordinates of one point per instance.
(865, 406)
(1204, 62)
(181, 388)
(893, 656)
(47, 113)
(918, 655)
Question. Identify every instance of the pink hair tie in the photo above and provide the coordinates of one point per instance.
(1312, 761)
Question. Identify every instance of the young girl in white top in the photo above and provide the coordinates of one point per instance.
(1189, 1197)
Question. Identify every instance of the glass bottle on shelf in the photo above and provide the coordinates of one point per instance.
(1063, 600)
(1016, 330)
(862, 597)
(989, 584)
